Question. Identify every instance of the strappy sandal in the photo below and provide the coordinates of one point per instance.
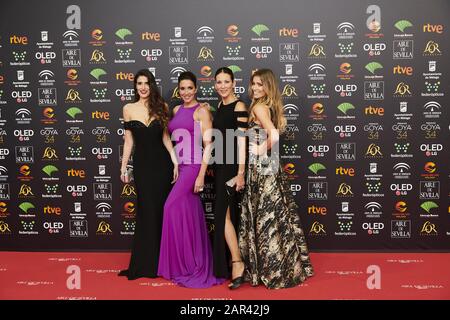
(236, 282)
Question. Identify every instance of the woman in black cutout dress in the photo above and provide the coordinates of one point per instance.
(231, 115)
(145, 123)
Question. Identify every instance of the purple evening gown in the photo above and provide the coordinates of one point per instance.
(185, 253)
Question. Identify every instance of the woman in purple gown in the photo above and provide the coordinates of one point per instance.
(185, 253)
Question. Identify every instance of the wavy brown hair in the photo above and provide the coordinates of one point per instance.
(156, 106)
(272, 99)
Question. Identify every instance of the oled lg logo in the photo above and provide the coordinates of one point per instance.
(45, 57)
(151, 54)
(318, 150)
(21, 96)
(261, 52)
(23, 135)
(431, 149)
(101, 153)
(345, 131)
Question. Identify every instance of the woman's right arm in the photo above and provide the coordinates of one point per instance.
(262, 114)
(127, 146)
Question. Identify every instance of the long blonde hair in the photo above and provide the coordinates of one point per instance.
(272, 98)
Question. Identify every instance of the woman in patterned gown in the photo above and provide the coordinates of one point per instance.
(271, 238)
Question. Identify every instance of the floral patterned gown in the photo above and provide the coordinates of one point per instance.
(271, 238)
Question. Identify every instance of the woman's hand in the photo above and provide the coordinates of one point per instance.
(199, 184)
(175, 173)
(124, 176)
(240, 182)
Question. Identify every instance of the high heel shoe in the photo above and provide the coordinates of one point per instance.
(236, 282)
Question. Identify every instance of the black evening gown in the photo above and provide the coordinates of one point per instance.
(225, 118)
(153, 172)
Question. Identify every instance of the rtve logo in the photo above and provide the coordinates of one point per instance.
(76, 173)
(379, 111)
(18, 39)
(317, 210)
(403, 70)
(345, 171)
(100, 115)
(52, 210)
(289, 32)
(125, 76)
(152, 36)
(435, 28)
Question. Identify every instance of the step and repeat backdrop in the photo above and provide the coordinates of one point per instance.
(366, 95)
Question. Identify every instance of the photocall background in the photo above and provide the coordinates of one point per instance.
(365, 87)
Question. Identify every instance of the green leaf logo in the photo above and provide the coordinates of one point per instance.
(344, 107)
(50, 169)
(97, 73)
(25, 206)
(316, 167)
(402, 25)
(234, 68)
(428, 205)
(373, 66)
(73, 112)
(260, 28)
(122, 33)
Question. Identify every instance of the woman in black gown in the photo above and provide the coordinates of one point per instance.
(145, 123)
(232, 116)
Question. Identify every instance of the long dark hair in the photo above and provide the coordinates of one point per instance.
(156, 106)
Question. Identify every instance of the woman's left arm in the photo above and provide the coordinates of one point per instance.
(242, 124)
(204, 116)
(262, 114)
(169, 146)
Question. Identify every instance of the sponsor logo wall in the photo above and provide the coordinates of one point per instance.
(365, 91)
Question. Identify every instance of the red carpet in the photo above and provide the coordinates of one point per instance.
(43, 275)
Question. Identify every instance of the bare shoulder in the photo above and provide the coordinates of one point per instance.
(127, 110)
(128, 106)
(261, 110)
(175, 110)
(203, 111)
(206, 105)
(240, 106)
